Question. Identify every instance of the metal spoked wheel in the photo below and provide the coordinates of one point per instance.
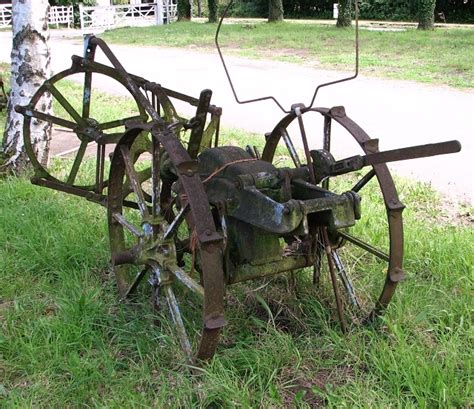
(168, 235)
(79, 132)
(366, 258)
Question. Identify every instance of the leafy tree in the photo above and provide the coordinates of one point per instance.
(344, 18)
(461, 11)
(275, 10)
(184, 10)
(73, 2)
(425, 14)
(388, 9)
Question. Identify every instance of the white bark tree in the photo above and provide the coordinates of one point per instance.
(30, 67)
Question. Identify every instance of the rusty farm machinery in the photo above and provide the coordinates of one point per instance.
(192, 217)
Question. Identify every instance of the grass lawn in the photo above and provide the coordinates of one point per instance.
(442, 56)
(67, 341)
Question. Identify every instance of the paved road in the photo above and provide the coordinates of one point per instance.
(399, 113)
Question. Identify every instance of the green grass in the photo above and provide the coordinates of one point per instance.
(67, 341)
(442, 56)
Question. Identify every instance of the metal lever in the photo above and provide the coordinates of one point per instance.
(421, 151)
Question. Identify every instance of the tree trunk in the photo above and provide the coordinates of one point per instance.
(212, 5)
(184, 10)
(275, 10)
(426, 14)
(199, 6)
(344, 18)
(30, 67)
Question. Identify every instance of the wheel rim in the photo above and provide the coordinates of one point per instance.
(156, 250)
(79, 132)
(393, 258)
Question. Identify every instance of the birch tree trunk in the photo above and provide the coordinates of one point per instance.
(30, 67)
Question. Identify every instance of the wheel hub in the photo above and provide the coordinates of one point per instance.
(91, 132)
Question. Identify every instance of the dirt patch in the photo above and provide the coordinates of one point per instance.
(456, 213)
(4, 306)
(309, 388)
(278, 304)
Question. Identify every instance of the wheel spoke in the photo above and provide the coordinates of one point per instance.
(100, 163)
(168, 110)
(32, 113)
(345, 278)
(176, 222)
(142, 176)
(129, 226)
(363, 245)
(77, 162)
(187, 280)
(304, 138)
(327, 144)
(128, 256)
(134, 181)
(86, 96)
(138, 278)
(318, 252)
(178, 322)
(340, 310)
(155, 176)
(290, 147)
(106, 138)
(118, 122)
(362, 182)
(66, 105)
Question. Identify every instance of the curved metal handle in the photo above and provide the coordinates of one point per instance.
(270, 97)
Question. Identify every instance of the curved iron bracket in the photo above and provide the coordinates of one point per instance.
(270, 97)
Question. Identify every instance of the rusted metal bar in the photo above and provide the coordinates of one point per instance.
(413, 152)
(133, 179)
(291, 148)
(33, 113)
(362, 182)
(327, 143)
(129, 226)
(175, 313)
(77, 162)
(297, 109)
(340, 311)
(186, 280)
(371, 249)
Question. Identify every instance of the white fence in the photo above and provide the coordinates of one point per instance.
(106, 17)
(5, 15)
(57, 15)
(61, 15)
(96, 18)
